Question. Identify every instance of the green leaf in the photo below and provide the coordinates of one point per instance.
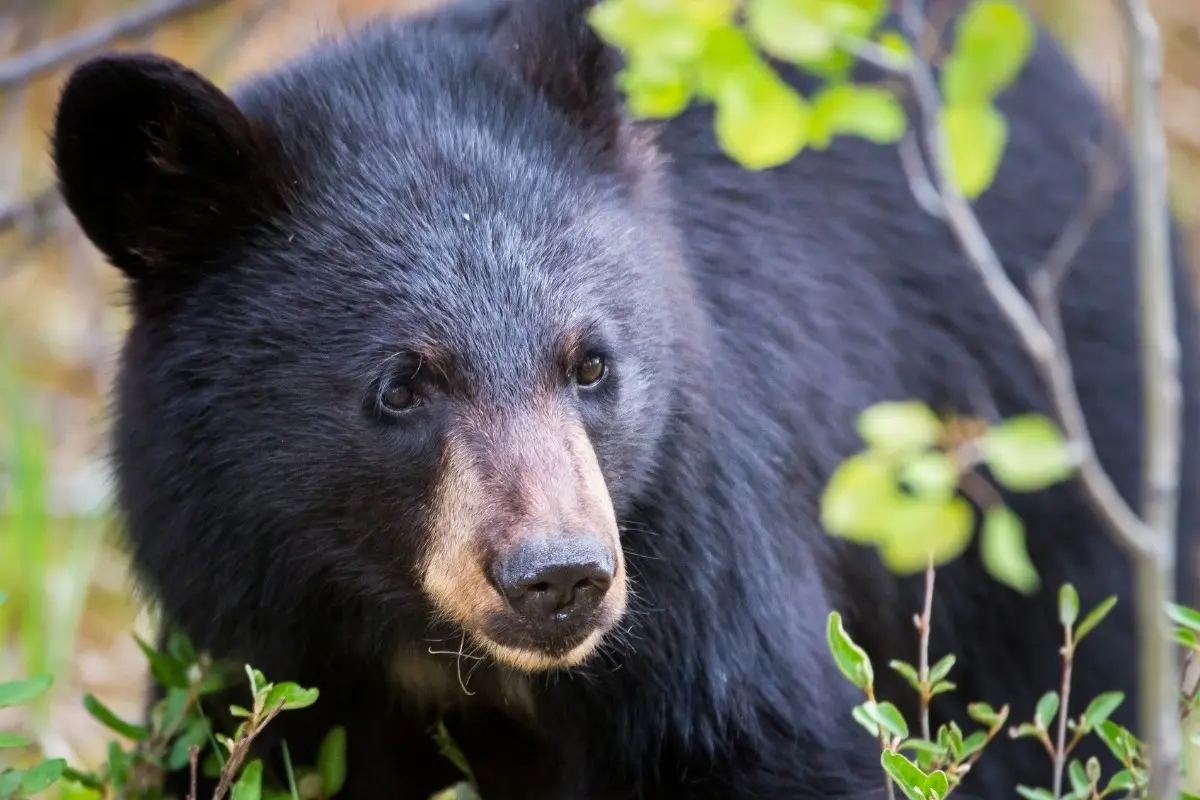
(907, 775)
(932, 475)
(760, 121)
(985, 715)
(899, 426)
(1121, 781)
(1095, 617)
(249, 783)
(20, 692)
(1101, 708)
(924, 529)
(937, 782)
(1025, 730)
(165, 669)
(860, 499)
(196, 733)
(1068, 605)
(788, 29)
(43, 776)
(1182, 615)
(450, 749)
(291, 695)
(10, 781)
(974, 743)
(13, 740)
(941, 669)
(1027, 452)
(1002, 550)
(105, 716)
(923, 746)
(331, 761)
(993, 40)
(728, 59)
(860, 715)
(897, 46)
(1034, 794)
(908, 672)
(1078, 777)
(1119, 741)
(654, 90)
(889, 717)
(975, 140)
(868, 112)
(1047, 708)
(851, 659)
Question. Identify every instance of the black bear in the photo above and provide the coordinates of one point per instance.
(456, 393)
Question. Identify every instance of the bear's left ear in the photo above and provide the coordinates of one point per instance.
(558, 53)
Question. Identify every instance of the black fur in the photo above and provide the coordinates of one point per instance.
(467, 178)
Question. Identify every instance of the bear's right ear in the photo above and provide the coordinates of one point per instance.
(158, 165)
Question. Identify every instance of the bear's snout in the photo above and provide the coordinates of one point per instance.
(555, 584)
(524, 552)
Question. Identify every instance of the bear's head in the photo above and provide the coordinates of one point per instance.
(408, 325)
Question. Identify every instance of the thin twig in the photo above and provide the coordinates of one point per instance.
(925, 193)
(1060, 749)
(1047, 356)
(57, 52)
(1104, 176)
(1161, 397)
(924, 626)
(194, 769)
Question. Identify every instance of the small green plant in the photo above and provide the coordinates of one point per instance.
(906, 492)
(928, 767)
(175, 735)
(41, 774)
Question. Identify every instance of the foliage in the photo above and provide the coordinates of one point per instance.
(932, 767)
(178, 735)
(904, 494)
(680, 51)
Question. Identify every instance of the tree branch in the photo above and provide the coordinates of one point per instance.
(1048, 354)
(1150, 538)
(57, 52)
(1161, 398)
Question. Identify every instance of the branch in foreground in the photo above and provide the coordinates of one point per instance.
(1149, 539)
(1047, 352)
(1161, 397)
(57, 52)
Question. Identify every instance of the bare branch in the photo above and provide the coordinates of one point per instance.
(1047, 353)
(57, 52)
(1162, 400)
(1105, 175)
(30, 214)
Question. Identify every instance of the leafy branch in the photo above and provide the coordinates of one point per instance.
(709, 50)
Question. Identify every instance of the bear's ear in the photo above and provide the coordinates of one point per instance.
(558, 53)
(158, 165)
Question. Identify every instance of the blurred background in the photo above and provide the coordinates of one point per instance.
(71, 608)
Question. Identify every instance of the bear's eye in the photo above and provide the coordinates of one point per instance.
(590, 370)
(398, 398)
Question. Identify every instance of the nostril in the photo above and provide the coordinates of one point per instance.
(543, 579)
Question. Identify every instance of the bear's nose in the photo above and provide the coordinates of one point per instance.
(556, 580)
